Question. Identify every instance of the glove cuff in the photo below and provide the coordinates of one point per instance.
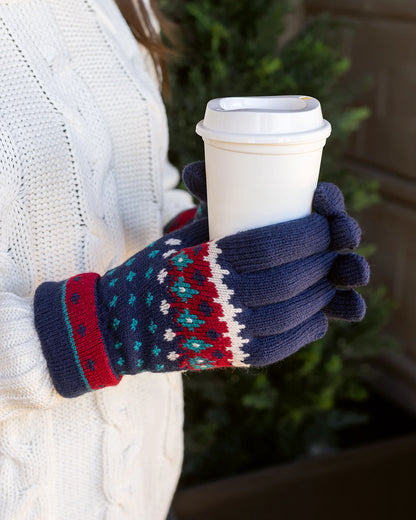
(180, 220)
(67, 324)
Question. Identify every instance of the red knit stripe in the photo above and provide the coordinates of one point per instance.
(81, 308)
(213, 321)
(180, 220)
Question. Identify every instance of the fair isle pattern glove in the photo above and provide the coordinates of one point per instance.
(248, 299)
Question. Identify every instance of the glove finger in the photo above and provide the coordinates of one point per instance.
(350, 270)
(271, 349)
(194, 178)
(283, 316)
(285, 281)
(345, 233)
(277, 244)
(346, 305)
(328, 200)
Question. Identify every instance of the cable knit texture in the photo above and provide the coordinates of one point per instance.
(84, 184)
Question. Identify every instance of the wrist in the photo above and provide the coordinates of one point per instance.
(67, 323)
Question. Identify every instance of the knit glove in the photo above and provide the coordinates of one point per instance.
(193, 176)
(180, 220)
(249, 299)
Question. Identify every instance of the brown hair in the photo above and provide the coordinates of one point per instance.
(140, 23)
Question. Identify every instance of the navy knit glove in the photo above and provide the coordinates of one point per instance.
(249, 299)
(193, 176)
(328, 201)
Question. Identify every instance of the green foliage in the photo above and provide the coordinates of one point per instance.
(239, 420)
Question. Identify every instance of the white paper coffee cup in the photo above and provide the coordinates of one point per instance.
(262, 157)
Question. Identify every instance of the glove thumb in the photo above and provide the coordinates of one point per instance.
(194, 178)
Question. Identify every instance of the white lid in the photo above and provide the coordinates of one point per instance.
(264, 119)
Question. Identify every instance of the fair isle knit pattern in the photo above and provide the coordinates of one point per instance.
(190, 324)
(182, 319)
(186, 304)
(88, 350)
(230, 312)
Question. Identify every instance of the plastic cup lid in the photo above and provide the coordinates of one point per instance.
(264, 119)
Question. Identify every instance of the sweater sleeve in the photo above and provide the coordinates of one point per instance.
(24, 378)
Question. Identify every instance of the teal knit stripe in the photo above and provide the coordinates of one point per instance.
(71, 337)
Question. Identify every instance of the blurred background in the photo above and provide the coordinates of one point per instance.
(329, 432)
(382, 45)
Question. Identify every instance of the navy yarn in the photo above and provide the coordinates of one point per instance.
(282, 282)
(280, 277)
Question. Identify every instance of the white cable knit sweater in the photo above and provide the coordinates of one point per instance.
(84, 183)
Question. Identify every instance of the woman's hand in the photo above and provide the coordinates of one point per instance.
(249, 299)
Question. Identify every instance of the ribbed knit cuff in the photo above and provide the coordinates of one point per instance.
(180, 220)
(67, 325)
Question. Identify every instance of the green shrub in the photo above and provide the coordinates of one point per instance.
(238, 420)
